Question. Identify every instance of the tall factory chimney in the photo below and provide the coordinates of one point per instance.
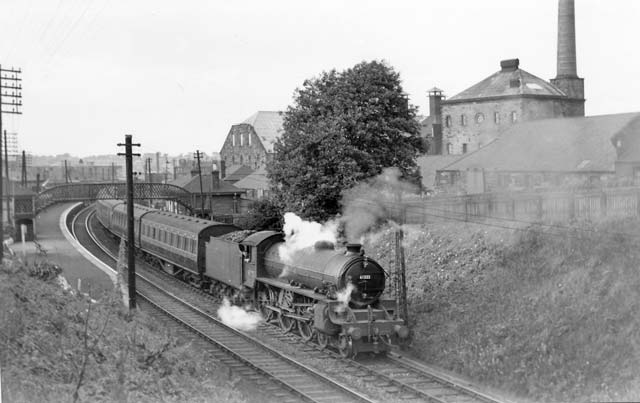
(567, 78)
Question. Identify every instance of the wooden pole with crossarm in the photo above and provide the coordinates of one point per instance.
(10, 103)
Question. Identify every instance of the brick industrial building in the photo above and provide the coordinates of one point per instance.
(479, 114)
(250, 143)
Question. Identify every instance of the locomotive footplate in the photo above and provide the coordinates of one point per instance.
(296, 289)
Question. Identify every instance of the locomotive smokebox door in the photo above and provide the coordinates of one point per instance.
(321, 320)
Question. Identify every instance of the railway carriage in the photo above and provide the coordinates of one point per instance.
(118, 220)
(104, 211)
(179, 242)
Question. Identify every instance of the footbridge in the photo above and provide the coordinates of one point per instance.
(96, 191)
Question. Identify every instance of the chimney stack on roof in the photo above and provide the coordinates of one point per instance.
(215, 179)
(567, 65)
(567, 79)
(510, 64)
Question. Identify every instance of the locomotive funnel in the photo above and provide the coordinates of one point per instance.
(355, 249)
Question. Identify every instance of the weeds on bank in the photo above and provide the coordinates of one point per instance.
(56, 345)
(548, 313)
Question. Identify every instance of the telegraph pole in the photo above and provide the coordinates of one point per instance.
(23, 178)
(66, 172)
(6, 167)
(131, 262)
(401, 278)
(166, 169)
(10, 102)
(197, 156)
(148, 175)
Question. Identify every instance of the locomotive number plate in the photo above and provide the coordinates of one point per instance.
(365, 277)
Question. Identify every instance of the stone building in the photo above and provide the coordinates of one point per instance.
(550, 154)
(250, 143)
(479, 114)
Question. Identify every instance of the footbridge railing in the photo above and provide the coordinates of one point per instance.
(97, 191)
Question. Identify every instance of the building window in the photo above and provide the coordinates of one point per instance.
(464, 148)
(233, 140)
(449, 148)
(447, 121)
(463, 120)
(241, 139)
(249, 138)
(479, 118)
(241, 159)
(514, 117)
(496, 117)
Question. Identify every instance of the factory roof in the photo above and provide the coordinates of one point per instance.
(268, 127)
(511, 80)
(582, 144)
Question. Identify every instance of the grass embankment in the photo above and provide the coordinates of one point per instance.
(545, 317)
(55, 346)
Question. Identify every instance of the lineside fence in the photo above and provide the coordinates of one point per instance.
(527, 207)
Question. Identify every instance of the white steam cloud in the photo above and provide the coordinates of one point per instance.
(300, 235)
(237, 317)
(344, 296)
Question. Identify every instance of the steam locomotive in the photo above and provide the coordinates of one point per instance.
(324, 293)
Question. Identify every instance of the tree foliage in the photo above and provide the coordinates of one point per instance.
(264, 214)
(342, 128)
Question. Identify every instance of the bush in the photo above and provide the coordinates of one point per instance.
(265, 214)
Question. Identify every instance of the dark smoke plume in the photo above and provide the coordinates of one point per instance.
(374, 202)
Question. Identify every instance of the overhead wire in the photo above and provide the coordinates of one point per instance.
(20, 32)
(73, 26)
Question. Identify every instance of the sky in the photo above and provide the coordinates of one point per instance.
(177, 75)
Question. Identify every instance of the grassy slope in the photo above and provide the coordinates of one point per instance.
(42, 334)
(545, 317)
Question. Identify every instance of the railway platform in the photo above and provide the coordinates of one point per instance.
(53, 246)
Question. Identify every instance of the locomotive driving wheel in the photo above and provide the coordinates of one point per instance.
(345, 347)
(286, 305)
(323, 340)
(266, 298)
(306, 330)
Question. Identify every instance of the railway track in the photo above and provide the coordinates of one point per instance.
(390, 378)
(248, 357)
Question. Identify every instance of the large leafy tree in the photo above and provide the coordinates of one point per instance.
(342, 128)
